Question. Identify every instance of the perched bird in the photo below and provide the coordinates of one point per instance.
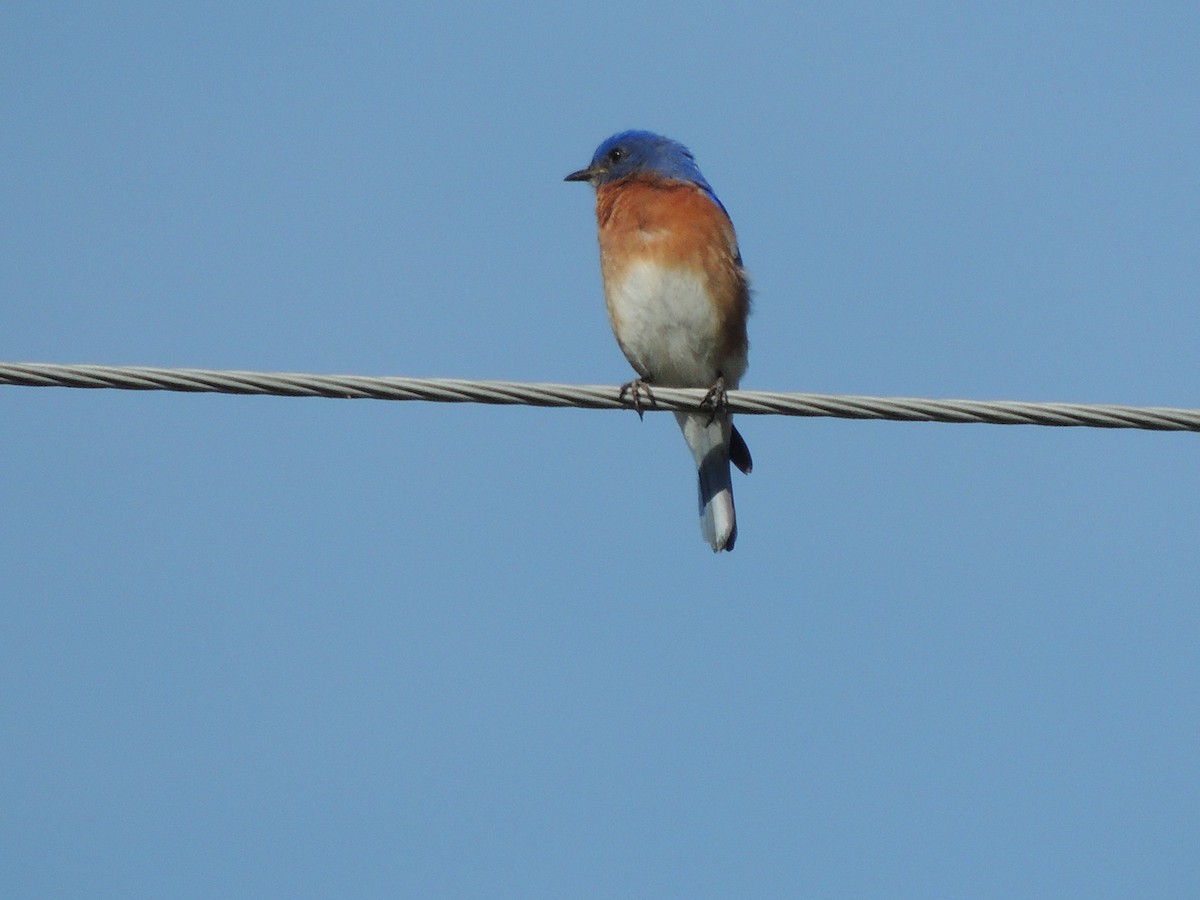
(677, 298)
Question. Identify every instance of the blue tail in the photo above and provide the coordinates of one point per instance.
(709, 443)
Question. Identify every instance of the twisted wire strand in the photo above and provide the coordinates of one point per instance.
(449, 390)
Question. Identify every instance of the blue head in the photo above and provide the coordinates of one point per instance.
(641, 153)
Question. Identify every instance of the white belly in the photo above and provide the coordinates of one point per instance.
(666, 325)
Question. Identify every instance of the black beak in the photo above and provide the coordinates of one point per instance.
(581, 175)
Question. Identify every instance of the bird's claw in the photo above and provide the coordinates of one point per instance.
(637, 387)
(715, 400)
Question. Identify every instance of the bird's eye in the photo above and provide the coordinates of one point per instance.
(616, 154)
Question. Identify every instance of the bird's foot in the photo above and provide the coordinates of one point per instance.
(637, 388)
(715, 400)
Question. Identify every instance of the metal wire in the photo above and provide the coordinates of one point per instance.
(445, 390)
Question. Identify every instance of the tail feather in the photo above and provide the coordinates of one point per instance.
(710, 443)
(739, 453)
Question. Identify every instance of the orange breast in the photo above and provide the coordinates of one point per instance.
(675, 224)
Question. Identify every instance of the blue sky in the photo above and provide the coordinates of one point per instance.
(281, 647)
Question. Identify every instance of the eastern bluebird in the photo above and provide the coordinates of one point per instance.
(677, 298)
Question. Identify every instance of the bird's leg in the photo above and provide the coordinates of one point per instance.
(715, 399)
(637, 387)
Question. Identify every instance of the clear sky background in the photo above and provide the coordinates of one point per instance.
(282, 647)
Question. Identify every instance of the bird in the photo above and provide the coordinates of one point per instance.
(677, 297)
